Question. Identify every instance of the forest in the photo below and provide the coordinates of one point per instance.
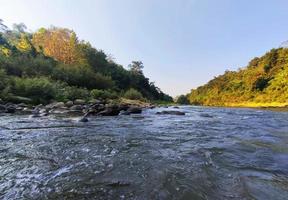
(53, 64)
(264, 82)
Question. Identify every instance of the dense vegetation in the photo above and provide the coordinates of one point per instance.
(53, 64)
(263, 82)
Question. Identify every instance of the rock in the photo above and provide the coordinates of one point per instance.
(83, 119)
(69, 104)
(95, 101)
(79, 102)
(170, 112)
(2, 108)
(124, 107)
(35, 115)
(1, 101)
(110, 110)
(134, 110)
(177, 107)
(123, 112)
(206, 115)
(59, 105)
(76, 108)
(10, 109)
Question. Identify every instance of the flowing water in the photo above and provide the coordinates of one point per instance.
(210, 153)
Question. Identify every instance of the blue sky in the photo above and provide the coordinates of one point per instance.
(182, 43)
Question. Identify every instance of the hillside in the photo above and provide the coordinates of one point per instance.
(264, 82)
(53, 64)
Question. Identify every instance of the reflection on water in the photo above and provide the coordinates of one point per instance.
(210, 153)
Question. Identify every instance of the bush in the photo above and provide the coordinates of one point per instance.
(40, 90)
(72, 93)
(82, 76)
(103, 94)
(133, 94)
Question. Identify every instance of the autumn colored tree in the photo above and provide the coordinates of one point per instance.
(60, 43)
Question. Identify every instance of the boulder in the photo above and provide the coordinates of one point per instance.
(110, 110)
(79, 102)
(134, 110)
(59, 105)
(170, 112)
(83, 119)
(69, 104)
(2, 108)
(10, 109)
(76, 108)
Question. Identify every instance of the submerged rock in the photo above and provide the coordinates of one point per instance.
(206, 115)
(170, 112)
(83, 119)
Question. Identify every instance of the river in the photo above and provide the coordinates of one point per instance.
(210, 153)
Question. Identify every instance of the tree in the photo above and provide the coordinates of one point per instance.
(20, 28)
(136, 67)
(3, 27)
(182, 99)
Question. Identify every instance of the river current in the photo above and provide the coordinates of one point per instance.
(210, 153)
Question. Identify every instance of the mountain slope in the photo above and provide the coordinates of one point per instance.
(264, 82)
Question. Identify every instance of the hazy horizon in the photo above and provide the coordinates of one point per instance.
(182, 44)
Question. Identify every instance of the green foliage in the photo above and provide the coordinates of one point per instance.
(264, 80)
(65, 93)
(261, 83)
(3, 79)
(41, 90)
(133, 94)
(82, 76)
(182, 99)
(103, 94)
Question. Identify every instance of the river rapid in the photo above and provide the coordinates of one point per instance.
(209, 153)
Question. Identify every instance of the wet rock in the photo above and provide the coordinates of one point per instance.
(110, 110)
(177, 107)
(69, 104)
(79, 102)
(206, 115)
(170, 112)
(134, 110)
(83, 119)
(124, 107)
(2, 108)
(10, 109)
(118, 184)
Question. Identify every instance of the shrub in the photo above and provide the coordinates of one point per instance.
(71, 93)
(133, 94)
(103, 94)
(82, 76)
(40, 90)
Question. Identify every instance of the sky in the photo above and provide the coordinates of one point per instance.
(182, 43)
